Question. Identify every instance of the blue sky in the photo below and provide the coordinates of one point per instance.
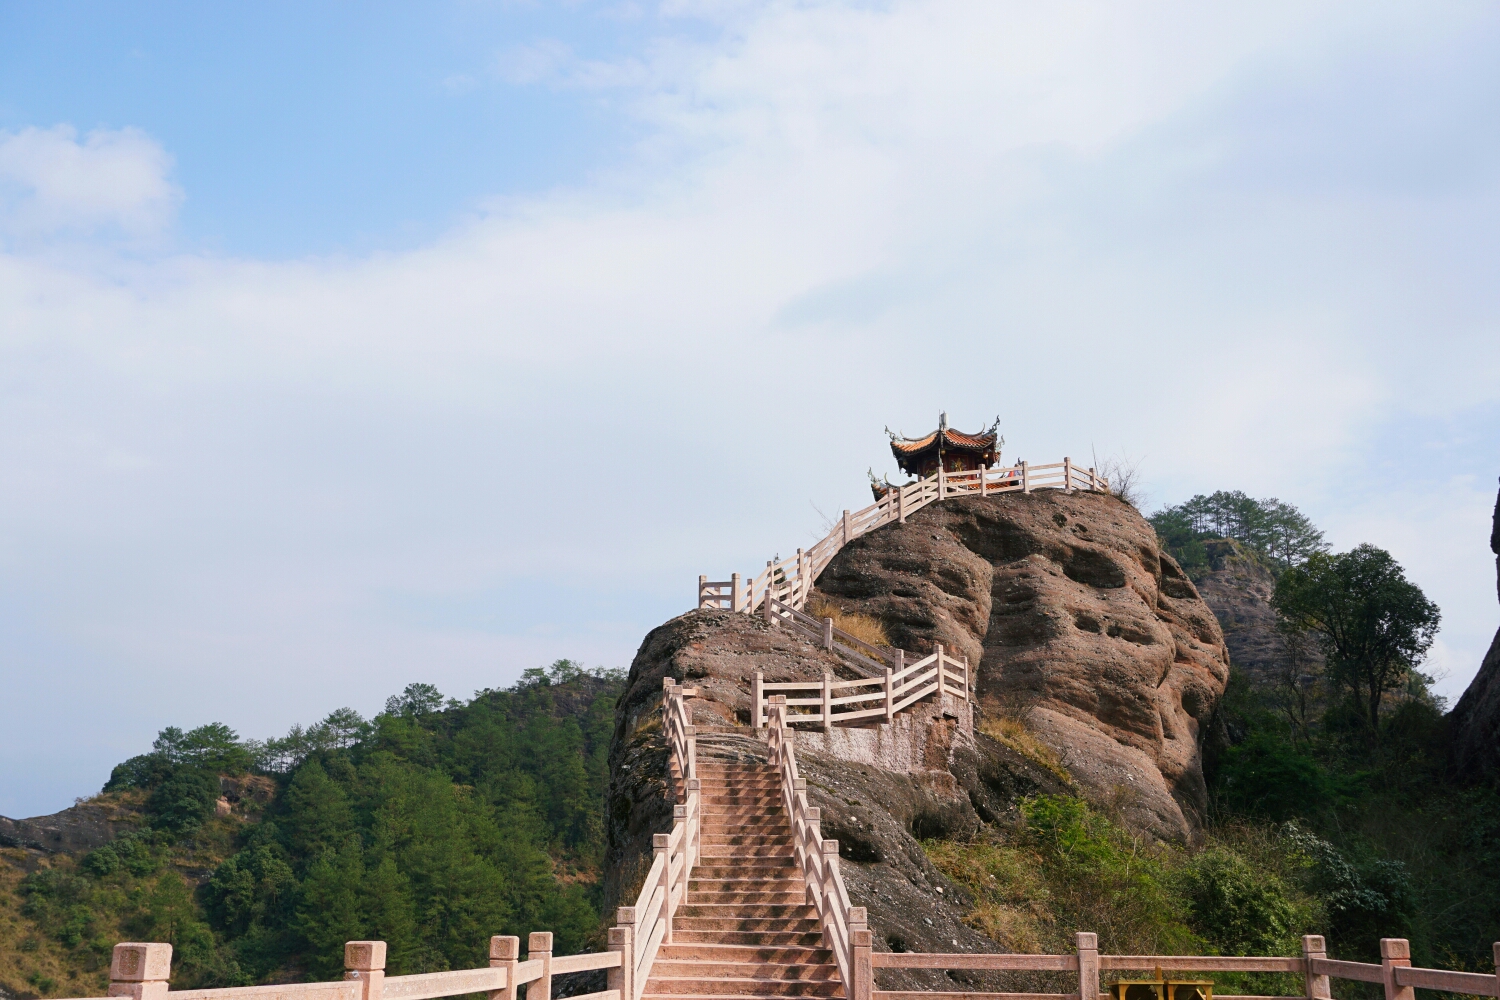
(344, 346)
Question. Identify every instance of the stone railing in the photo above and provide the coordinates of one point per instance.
(641, 930)
(1394, 973)
(828, 702)
(789, 581)
(142, 971)
(816, 858)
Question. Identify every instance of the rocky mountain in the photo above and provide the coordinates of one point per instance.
(1079, 624)
(1476, 717)
(1083, 633)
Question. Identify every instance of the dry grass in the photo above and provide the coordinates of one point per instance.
(1012, 731)
(31, 962)
(865, 628)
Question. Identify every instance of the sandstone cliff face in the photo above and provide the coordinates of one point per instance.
(1076, 619)
(1476, 717)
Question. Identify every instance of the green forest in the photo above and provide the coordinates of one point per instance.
(431, 826)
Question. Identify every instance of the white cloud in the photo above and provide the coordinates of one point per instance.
(113, 181)
(334, 476)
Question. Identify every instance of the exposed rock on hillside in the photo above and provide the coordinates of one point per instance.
(1476, 717)
(78, 828)
(1079, 622)
(876, 813)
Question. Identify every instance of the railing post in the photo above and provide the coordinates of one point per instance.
(693, 835)
(940, 674)
(1088, 965)
(830, 883)
(702, 586)
(860, 967)
(505, 953)
(827, 701)
(803, 583)
(1025, 477)
(622, 941)
(982, 471)
(758, 693)
(1093, 480)
(736, 597)
(1395, 953)
(539, 948)
(140, 969)
(364, 962)
(827, 633)
(942, 480)
(690, 765)
(846, 528)
(659, 842)
(890, 697)
(1315, 984)
(1067, 474)
(770, 615)
(901, 503)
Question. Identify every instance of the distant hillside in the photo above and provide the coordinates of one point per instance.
(431, 826)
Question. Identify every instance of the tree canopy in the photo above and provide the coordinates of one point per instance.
(1374, 624)
(1276, 530)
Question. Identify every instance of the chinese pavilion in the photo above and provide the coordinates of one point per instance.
(946, 448)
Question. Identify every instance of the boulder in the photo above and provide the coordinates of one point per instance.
(1078, 621)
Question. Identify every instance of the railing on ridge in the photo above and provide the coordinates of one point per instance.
(642, 929)
(1394, 973)
(897, 690)
(789, 581)
(818, 859)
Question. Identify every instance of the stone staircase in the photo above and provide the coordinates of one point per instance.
(745, 928)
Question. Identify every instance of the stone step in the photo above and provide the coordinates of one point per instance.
(785, 867)
(733, 953)
(672, 968)
(742, 838)
(787, 898)
(750, 883)
(742, 986)
(746, 924)
(800, 910)
(806, 939)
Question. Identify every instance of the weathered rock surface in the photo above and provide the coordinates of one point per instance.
(78, 828)
(1476, 717)
(1077, 620)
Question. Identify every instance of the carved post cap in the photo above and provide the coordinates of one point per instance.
(1087, 941)
(617, 935)
(777, 699)
(861, 938)
(1395, 948)
(690, 730)
(1313, 943)
(667, 683)
(695, 784)
(139, 962)
(660, 841)
(858, 915)
(800, 785)
(831, 847)
(364, 956)
(678, 812)
(625, 915)
(539, 941)
(505, 947)
(814, 814)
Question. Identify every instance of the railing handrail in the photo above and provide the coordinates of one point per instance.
(1394, 972)
(818, 859)
(142, 970)
(789, 581)
(935, 674)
